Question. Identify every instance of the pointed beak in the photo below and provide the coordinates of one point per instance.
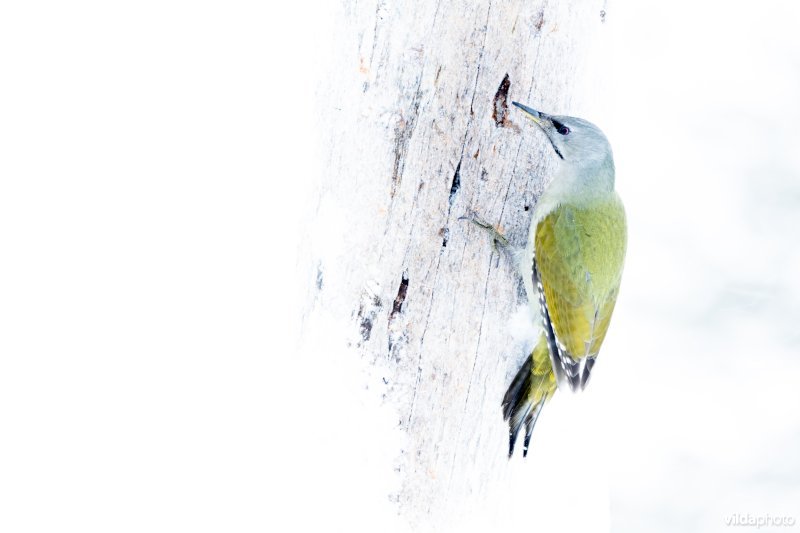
(532, 113)
(544, 121)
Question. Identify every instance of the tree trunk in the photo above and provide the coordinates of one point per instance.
(417, 131)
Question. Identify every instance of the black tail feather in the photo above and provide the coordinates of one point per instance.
(517, 390)
(515, 424)
(528, 430)
(587, 370)
(530, 422)
(515, 406)
(518, 408)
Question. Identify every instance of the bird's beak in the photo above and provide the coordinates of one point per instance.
(544, 121)
(534, 115)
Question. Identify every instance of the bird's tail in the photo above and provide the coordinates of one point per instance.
(533, 385)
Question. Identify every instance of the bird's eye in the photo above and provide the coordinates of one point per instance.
(560, 128)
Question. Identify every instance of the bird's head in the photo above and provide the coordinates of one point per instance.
(577, 141)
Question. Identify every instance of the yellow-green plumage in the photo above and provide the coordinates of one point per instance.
(580, 249)
(543, 381)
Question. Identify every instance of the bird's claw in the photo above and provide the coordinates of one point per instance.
(497, 237)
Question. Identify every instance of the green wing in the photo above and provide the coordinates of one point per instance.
(580, 251)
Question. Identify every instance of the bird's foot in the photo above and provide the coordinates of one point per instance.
(498, 239)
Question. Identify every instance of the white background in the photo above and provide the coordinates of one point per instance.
(706, 135)
(153, 171)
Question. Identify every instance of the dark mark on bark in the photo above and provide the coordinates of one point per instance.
(456, 184)
(539, 21)
(401, 297)
(445, 234)
(319, 277)
(398, 337)
(366, 328)
(367, 312)
(500, 108)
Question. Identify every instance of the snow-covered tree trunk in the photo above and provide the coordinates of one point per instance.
(417, 131)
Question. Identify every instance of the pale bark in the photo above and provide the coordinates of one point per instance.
(418, 131)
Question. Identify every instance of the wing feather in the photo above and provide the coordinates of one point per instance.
(579, 255)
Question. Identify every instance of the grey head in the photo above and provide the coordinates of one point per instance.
(576, 141)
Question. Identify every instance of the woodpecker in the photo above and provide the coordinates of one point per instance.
(572, 267)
